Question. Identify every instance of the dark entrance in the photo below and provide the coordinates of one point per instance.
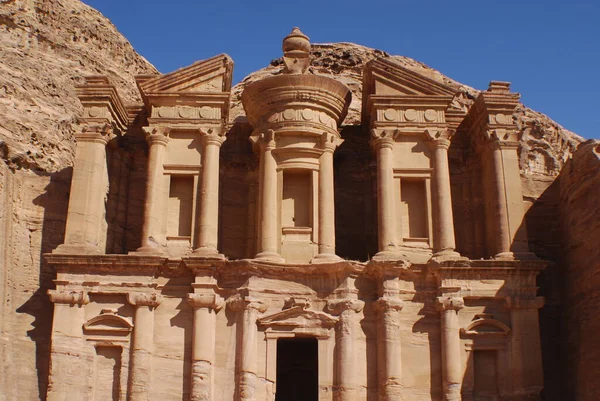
(297, 369)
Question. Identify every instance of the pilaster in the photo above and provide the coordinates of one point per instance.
(140, 377)
(449, 306)
(248, 308)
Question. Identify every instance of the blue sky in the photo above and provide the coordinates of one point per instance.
(549, 50)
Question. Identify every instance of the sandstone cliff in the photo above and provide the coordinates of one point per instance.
(580, 215)
(46, 47)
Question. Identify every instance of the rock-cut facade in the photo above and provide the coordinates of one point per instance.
(273, 264)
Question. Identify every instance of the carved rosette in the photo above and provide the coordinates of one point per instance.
(69, 297)
(150, 299)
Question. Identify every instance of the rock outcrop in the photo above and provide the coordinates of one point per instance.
(48, 46)
(580, 215)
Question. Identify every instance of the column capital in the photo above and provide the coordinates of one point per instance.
(383, 138)
(439, 138)
(265, 139)
(445, 303)
(389, 304)
(501, 137)
(524, 303)
(206, 300)
(337, 306)
(69, 297)
(157, 135)
(239, 303)
(212, 136)
(151, 299)
(329, 141)
(97, 133)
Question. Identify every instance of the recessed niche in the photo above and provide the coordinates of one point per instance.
(297, 199)
(181, 195)
(413, 209)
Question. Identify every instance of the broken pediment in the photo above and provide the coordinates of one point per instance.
(298, 316)
(212, 75)
(387, 78)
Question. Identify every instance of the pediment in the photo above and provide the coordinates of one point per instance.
(212, 75)
(299, 316)
(108, 323)
(388, 78)
(486, 326)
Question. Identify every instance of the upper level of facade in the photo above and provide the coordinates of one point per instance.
(290, 184)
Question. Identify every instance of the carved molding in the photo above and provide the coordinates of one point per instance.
(445, 303)
(204, 300)
(151, 299)
(524, 303)
(69, 297)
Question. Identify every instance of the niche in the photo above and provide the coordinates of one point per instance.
(413, 210)
(296, 216)
(297, 369)
(297, 199)
(485, 386)
(107, 373)
(180, 207)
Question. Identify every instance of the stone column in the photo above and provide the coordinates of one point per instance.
(143, 344)
(248, 311)
(389, 348)
(269, 206)
(345, 357)
(443, 220)
(67, 354)
(207, 220)
(85, 231)
(154, 230)
(326, 203)
(525, 348)
(503, 240)
(452, 369)
(206, 306)
(383, 143)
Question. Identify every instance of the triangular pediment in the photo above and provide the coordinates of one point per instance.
(298, 316)
(206, 76)
(388, 78)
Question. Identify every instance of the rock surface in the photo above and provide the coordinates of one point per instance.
(46, 48)
(580, 211)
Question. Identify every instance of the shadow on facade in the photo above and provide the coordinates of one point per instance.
(54, 200)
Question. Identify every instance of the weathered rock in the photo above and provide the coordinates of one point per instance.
(580, 216)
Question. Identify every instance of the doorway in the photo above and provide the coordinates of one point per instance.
(297, 369)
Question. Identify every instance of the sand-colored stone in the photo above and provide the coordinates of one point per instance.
(383, 316)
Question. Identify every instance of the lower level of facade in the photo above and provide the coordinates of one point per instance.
(135, 328)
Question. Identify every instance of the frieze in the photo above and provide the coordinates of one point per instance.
(410, 115)
(186, 112)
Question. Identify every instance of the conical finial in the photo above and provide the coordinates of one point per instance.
(296, 52)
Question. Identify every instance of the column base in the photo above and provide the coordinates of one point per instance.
(148, 250)
(326, 258)
(269, 257)
(443, 256)
(78, 249)
(516, 256)
(383, 256)
(208, 253)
